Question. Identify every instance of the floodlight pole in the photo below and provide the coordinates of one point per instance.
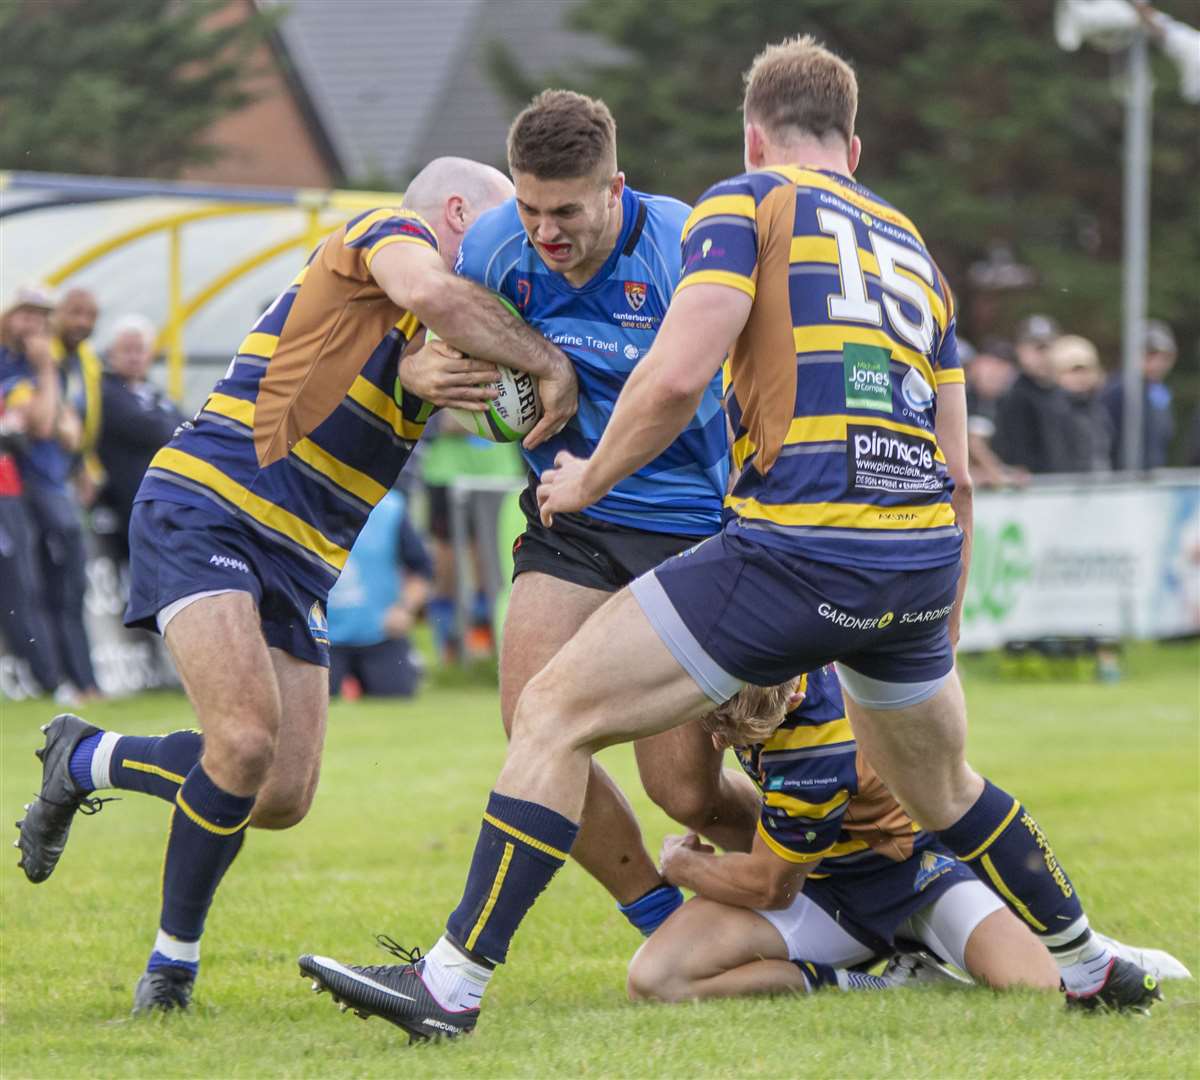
(1134, 270)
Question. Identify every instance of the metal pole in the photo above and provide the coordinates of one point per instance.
(1135, 249)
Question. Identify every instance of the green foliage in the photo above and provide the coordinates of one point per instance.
(119, 87)
(1109, 770)
(973, 121)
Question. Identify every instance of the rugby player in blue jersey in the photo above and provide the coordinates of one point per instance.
(592, 264)
(846, 540)
(835, 876)
(245, 519)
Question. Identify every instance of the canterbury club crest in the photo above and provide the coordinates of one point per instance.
(635, 294)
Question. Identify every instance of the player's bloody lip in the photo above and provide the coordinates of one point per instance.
(556, 251)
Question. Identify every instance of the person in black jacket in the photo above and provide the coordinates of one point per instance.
(1029, 418)
(136, 419)
(1086, 435)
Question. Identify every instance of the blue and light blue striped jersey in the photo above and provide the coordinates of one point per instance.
(835, 377)
(821, 801)
(310, 427)
(605, 326)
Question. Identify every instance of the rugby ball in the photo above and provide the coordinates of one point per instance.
(516, 407)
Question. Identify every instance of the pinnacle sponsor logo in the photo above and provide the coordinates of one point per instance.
(847, 621)
(878, 459)
(226, 562)
(868, 375)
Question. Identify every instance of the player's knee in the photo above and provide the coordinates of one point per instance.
(281, 811)
(649, 978)
(694, 806)
(240, 757)
(549, 719)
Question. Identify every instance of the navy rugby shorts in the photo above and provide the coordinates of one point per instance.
(872, 906)
(734, 611)
(177, 551)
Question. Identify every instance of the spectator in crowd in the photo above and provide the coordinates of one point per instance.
(1029, 415)
(374, 604)
(132, 418)
(45, 461)
(72, 324)
(450, 453)
(1085, 440)
(990, 372)
(31, 382)
(22, 618)
(1158, 419)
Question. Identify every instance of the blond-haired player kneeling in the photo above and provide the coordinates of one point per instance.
(836, 876)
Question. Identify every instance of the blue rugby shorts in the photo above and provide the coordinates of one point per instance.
(733, 611)
(177, 550)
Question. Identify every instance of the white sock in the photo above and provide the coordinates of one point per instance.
(455, 981)
(1084, 968)
(186, 952)
(101, 759)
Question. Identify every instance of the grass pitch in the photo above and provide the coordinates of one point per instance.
(1112, 773)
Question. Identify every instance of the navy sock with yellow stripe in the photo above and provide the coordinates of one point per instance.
(208, 826)
(155, 764)
(521, 845)
(1000, 841)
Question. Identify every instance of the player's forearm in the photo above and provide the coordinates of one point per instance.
(733, 878)
(648, 417)
(472, 320)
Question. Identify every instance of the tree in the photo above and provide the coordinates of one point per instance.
(120, 87)
(972, 120)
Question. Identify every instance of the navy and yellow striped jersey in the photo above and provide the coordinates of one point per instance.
(821, 801)
(309, 428)
(832, 384)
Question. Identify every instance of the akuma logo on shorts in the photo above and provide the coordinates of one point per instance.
(932, 867)
(226, 562)
(318, 625)
(854, 622)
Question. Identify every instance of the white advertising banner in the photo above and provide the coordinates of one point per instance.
(1105, 559)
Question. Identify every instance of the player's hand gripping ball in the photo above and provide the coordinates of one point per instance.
(514, 410)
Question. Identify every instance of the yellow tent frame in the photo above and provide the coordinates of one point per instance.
(324, 211)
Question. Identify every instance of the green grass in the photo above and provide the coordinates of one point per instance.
(1112, 772)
